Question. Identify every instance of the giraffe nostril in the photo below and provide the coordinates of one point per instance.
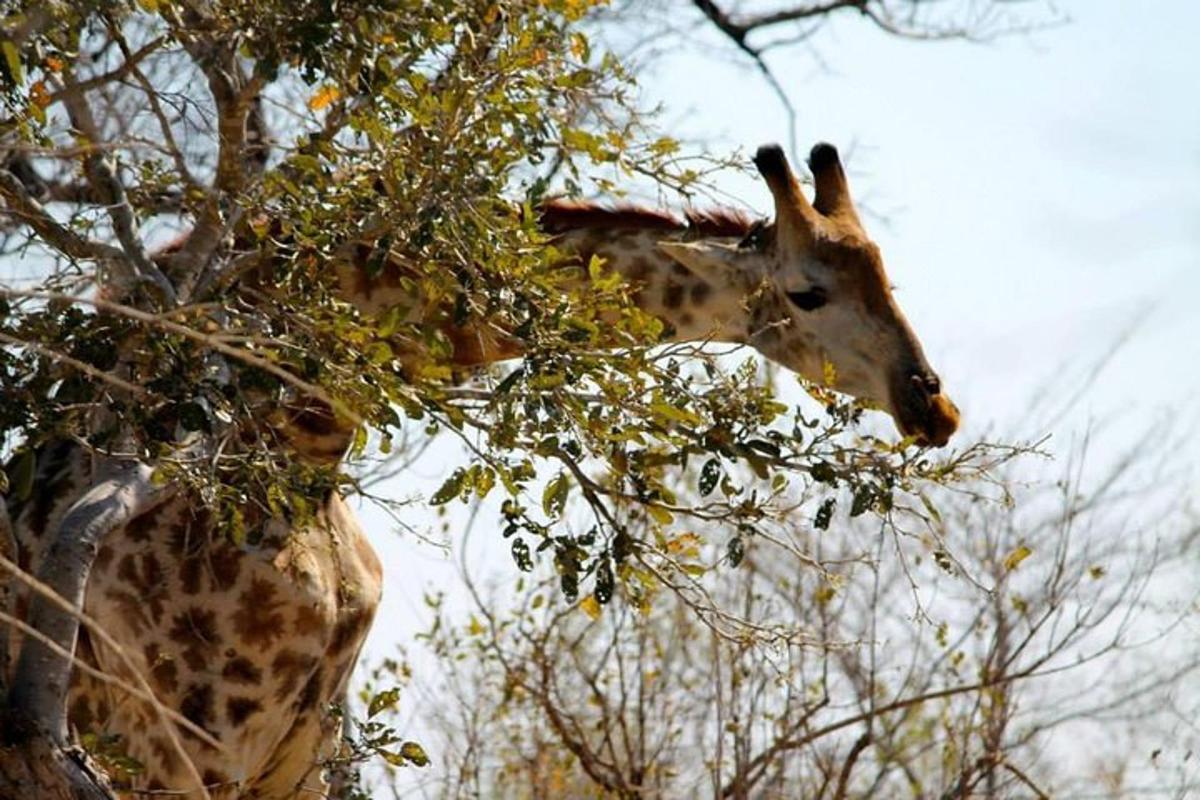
(926, 384)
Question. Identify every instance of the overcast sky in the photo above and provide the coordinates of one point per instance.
(1042, 195)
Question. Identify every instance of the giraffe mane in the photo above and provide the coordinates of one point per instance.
(560, 216)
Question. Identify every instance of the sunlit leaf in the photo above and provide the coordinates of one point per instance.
(1014, 559)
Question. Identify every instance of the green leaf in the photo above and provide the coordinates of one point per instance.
(675, 413)
(736, 551)
(414, 753)
(1019, 554)
(193, 417)
(21, 474)
(710, 475)
(520, 554)
(554, 496)
(864, 497)
(661, 515)
(604, 581)
(509, 381)
(824, 514)
(484, 482)
(383, 701)
(823, 473)
(12, 58)
(450, 489)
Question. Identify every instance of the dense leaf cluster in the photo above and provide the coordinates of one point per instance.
(407, 144)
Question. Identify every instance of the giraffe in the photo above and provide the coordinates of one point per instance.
(252, 643)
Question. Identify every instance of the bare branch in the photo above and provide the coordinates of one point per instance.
(132, 59)
(111, 191)
(85, 368)
(24, 207)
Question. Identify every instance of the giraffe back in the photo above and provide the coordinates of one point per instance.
(252, 643)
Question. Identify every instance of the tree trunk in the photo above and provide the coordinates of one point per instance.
(33, 766)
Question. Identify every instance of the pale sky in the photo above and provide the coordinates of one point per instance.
(1042, 194)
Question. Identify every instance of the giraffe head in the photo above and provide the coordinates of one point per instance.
(817, 298)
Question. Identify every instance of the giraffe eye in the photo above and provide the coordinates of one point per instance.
(809, 300)
(756, 238)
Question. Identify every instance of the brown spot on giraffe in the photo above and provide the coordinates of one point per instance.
(148, 580)
(259, 620)
(130, 609)
(163, 671)
(673, 295)
(308, 622)
(143, 528)
(197, 704)
(224, 562)
(312, 690)
(242, 670)
(195, 630)
(167, 758)
(349, 631)
(104, 557)
(239, 709)
(288, 668)
(214, 778)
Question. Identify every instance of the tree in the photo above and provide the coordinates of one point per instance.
(964, 657)
(275, 135)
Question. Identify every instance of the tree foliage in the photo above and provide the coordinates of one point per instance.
(969, 659)
(190, 188)
(422, 135)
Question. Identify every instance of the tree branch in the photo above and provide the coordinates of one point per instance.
(22, 205)
(111, 192)
(738, 33)
(43, 676)
(132, 59)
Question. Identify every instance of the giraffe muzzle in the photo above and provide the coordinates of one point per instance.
(923, 411)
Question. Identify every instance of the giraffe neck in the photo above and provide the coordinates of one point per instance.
(692, 308)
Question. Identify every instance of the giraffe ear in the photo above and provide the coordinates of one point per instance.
(832, 190)
(718, 264)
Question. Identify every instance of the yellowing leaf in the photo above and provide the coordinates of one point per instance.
(475, 627)
(660, 515)
(686, 543)
(830, 375)
(554, 496)
(590, 606)
(38, 95)
(1014, 559)
(383, 701)
(13, 59)
(414, 753)
(324, 96)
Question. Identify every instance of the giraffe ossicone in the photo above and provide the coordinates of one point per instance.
(253, 642)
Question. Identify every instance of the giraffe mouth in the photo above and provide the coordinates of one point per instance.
(923, 411)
